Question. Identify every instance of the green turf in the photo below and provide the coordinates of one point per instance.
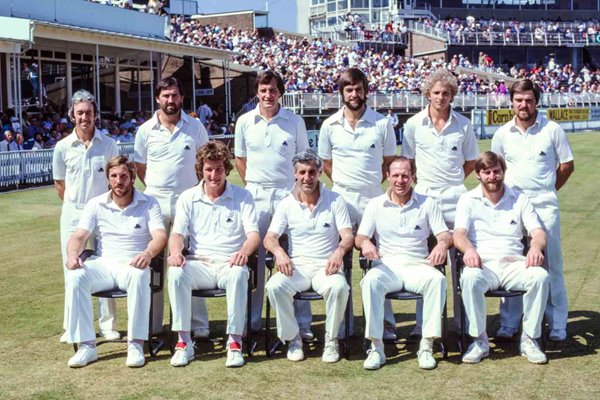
(33, 363)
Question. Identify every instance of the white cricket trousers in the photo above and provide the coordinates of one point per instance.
(107, 308)
(308, 273)
(395, 273)
(167, 201)
(510, 274)
(545, 205)
(206, 273)
(103, 273)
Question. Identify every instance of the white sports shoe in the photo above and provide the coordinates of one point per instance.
(375, 359)
(506, 333)
(135, 355)
(85, 354)
(235, 358)
(295, 352)
(63, 337)
(331, 352)
(184, 353)
(529, 348)
(425, 356)
(110, 335)
(476, 352)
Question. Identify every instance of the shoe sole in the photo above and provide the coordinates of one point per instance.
(181, 364)
(475, 362)
(541, 362)
(235, 365)
(136, 365)
(330, 361)
(84, 365)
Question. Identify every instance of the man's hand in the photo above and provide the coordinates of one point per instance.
(283, 262)
(141, 261)
(437, 255)
(74, 262)
(239, 259)
(176, 260)
(335, 262)
(471, 258)
(369, 250)
(535, 257)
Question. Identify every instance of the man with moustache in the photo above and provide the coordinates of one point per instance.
(443, 144)
(165, 155)
(539, 162)
(489, 227)
(130, 232)
(78, 164)
(356, 145)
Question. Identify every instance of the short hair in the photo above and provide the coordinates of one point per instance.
(440, 75)
(525, 85)
(265, 77)
(488, 159)
(118, 161)
(166, 83)
(352, 76)
(410, 161)
(80, 96)
(214, 150)
(308, 156)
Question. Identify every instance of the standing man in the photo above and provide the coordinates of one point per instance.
(130, 233)
(266, 140)
(78, 164)
(165, 155)
(391, 115)
(356, 145)
(539, 162)
(320, 234)
(443, 144)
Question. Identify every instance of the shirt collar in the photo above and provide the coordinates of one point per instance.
(107, 200)
(296, 192)
(537, 123)
(369, 116)
(98, 137)
(508, 193)
(200, 194)
(426, 120)
(388, 199)
(183, 117)
(281, 113)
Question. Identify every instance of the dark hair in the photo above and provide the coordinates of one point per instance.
(214, 151)
(352, 76)
(265, 77)
(488, 159)
(525, 85)
(121, 160)
(413, 166)
(166, 83)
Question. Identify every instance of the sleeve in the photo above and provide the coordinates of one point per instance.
(529, 217)
(140, 151)
(389, 140)
(181, 222)
(89, 217)
(340, 213)
(239, 141)
(301, 136)
(324, 146)
(463, 213)
(497, 144)
(436, 218)
(470, 146)
(113, 150)
(202, 138)
(367, 225)
(249, 219)
(561, 146)
(279, 222)
(155, 220)
(59, 168)
(408, 141)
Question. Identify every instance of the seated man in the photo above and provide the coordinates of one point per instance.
(129, 233)
(219, 221)
(315, 219)
(401, 220)
(489, 227)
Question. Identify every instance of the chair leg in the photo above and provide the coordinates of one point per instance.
(268, 327)
(347, 322)
(444, 331)
(544, 333)
(249, 341)
(463, 334)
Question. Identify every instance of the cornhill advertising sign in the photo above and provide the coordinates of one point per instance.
(498, 117)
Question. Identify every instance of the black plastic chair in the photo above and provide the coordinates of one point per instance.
(309, 295)
(156, 285)
(403, 295)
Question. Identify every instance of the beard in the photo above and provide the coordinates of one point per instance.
(122, 191)
(494, 187)
(170, 108)
(360, 103)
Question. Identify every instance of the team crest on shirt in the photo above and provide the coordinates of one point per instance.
(187, 147)
(373, 146)
(417, 228)
(542, 153)
(284, 143)
(137, 226)
(454, 148)
(513, 222)
(326, 225)
(229, 220)
(100, 169)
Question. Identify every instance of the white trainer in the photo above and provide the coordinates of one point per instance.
(135, 355)
(425, 356)
(375, 359)
(110, 335)
(63, 337)
(529, 348)
(184, 353)
(476, 352)
(331, 352)
(85, 354)
(235, 358)
(295, 352)
(506, 332)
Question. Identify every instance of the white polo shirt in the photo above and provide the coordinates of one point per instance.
(532, 156)
(496, 230)
(439, 156)
(170, 158)
(218, 228)
(83, 170)
(315, 233)
(269, 146)
(357, 153)
(121, 233)
(402, 230)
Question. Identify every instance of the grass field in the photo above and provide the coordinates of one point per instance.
(33, 364)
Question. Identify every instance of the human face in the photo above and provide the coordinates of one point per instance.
(524, 106)
(170, 100)
(307, 176)
(83, 113)
(268, 96)
(491, 179)
(401, 179)
(440, 96)
(120, 181)
(213, 173)
(355, 96)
